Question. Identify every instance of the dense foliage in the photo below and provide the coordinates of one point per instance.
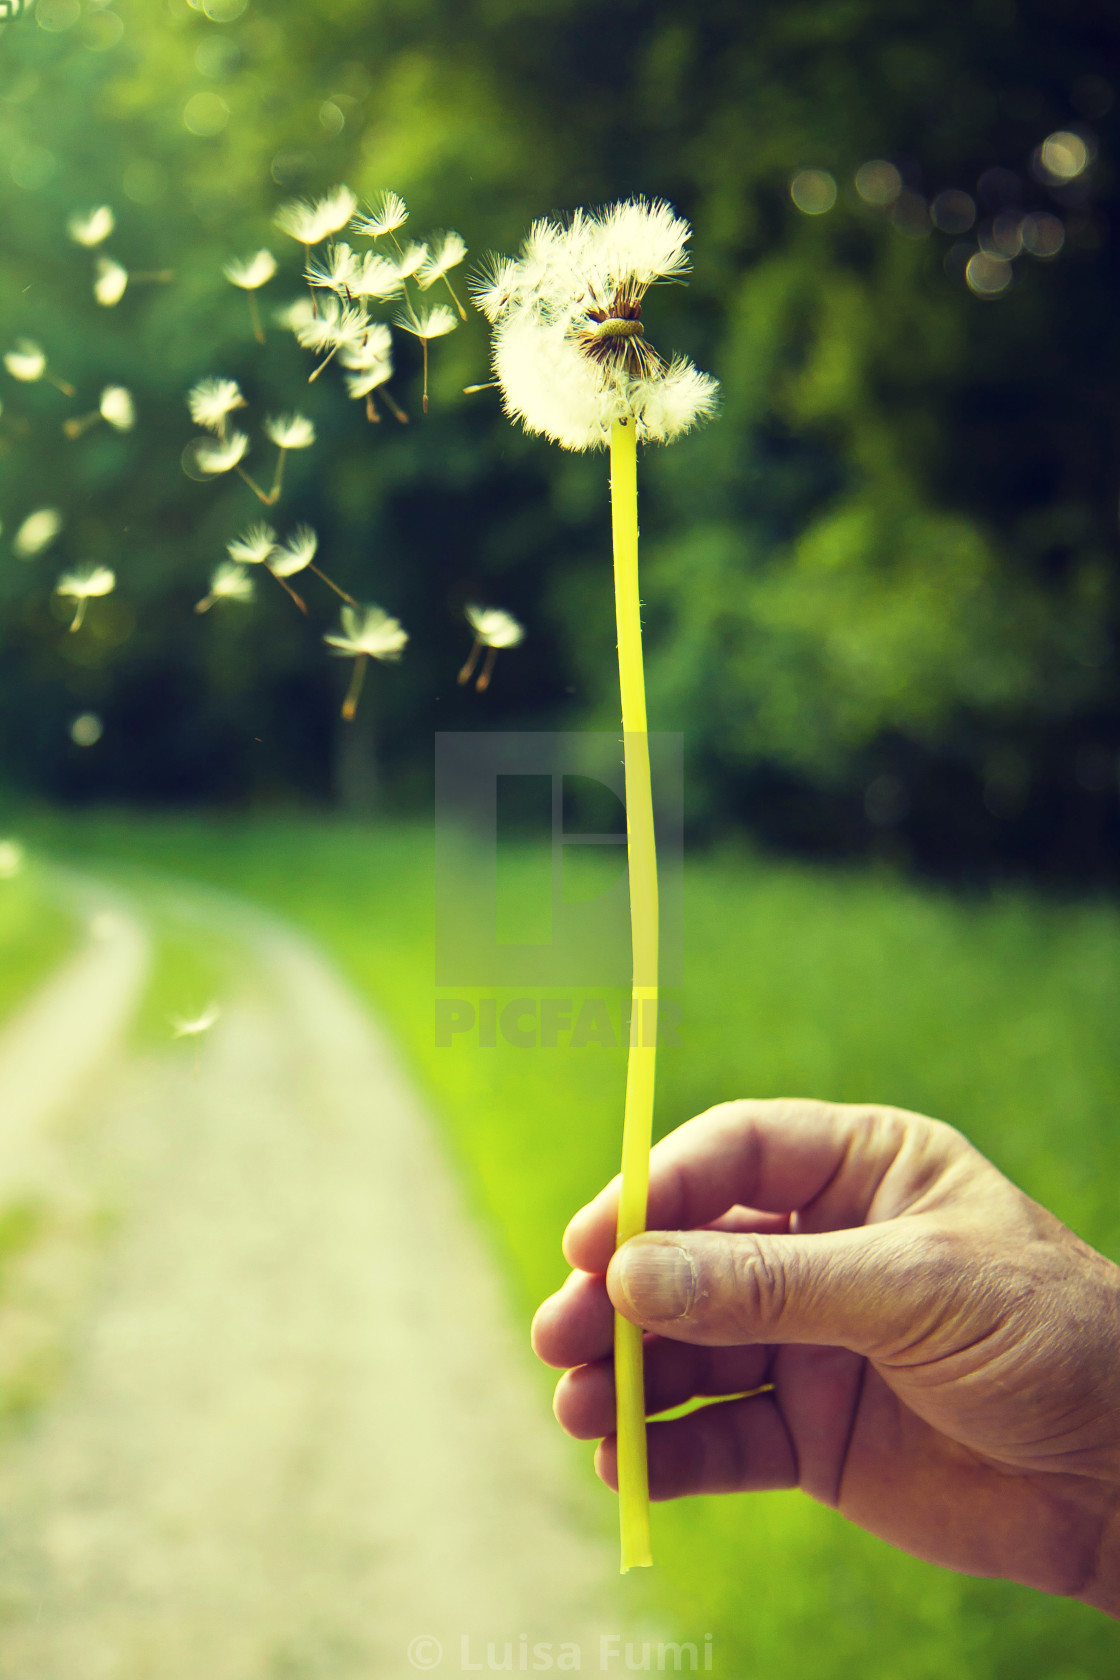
(881, 588)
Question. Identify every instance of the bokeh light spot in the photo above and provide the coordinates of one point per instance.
(205, 114)
(57, 15)
(813, 191)
(12, 858)
(1043, 235)
(216, 56)
(878, 182)
(987, 276)
(86, 729)
(1063, 156)
(953, 211)
(103, 31)
(909, 215)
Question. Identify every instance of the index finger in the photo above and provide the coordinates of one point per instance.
(824, 1161)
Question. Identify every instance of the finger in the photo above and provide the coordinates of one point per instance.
(778, 1156)
(870, 1290)
(576, 1324)
(733, 1446)
(675, 1372)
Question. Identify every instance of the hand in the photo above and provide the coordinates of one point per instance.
(939, 1357)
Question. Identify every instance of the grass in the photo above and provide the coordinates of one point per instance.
(997, 1014)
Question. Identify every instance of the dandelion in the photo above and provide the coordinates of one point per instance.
(85, 586)
(115, 406)
(37, 532)
(228, 582)
(194, 1026)
(367, 633)
(91, 227)
(335, 271)
(389, 214)
(370, 367)
(212, 401)
(250, 275)
(447, 252)
(426, 324)
(110, 282)
(255, 547)
(310, 223)
(338, 326)
(222, 455)
(493, 629)
(294, 316)
(27, 362)
(410, 261)
(375, 276)
(572, 361)
(297, 555)
(12, 859)
(287, 431)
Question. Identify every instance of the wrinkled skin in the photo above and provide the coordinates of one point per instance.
(939, 1355)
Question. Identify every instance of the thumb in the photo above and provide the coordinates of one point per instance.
(861, 1289)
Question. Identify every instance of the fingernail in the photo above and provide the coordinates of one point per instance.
(657, 1279)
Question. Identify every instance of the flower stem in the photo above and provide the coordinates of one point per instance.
(350, 704)
(487, 671)
(255, 317)
(278, 475)
(260, 494)
(332, 585)
(637, 1125)
(467, 672)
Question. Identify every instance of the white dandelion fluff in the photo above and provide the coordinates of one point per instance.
(110, 282)
(212, 400)
(91, 227)
(228, 582)
(296, 554)
(493, 627)
(446, 252)
(569, 346)
(335, 270)
(388, 214)
(251, 272)
(117, 407)
(84, 586)
(37, 532)
(290, 431)
(222, 455)
(311, 222)
(26, 361)
(253, 546)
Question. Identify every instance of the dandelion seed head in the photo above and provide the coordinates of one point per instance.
(428, 323)
(411, 260)
(337, 324)
(447, 252)
(222, 455)
(368, 631)
(251, 272)
(374, 349)
(310, 222)
(335, 271)
(211, 400)
(192, 1026)
(569, 346)
(388, 214)
(493, 627)
(25, 361)
(87, 583)
(296, 554)
(37, 532)
(253, 546)
(375, 276)
(90, 227)
(290, 431)
(110, 282)
(117, 407)
(228, 582)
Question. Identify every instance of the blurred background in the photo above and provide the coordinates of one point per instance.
(881, 596)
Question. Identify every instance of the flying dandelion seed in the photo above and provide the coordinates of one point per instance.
(298, 555)
(91, 227)
(410, 261)
(110, 282)
(287, 431)
(493, 629)
(253, 546)
(222, 455)
(426, 324)
(193, 1026)
(294, 316)
(310, 223)
(334, 271)
(250, 275)
(447, 252)
(27, 362)
(228, 582)
(375, 276)
(85, 586)
(389, 214)
(212, 401)
(117, 407)
(12, 859)
(572, 362)
(367, 633)
(369, 366)
(37, 532)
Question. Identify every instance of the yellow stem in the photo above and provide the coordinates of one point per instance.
(637, 1125)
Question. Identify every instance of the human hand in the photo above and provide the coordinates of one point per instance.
(940, 1356)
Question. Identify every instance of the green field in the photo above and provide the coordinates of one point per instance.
(996, 1013)
(36, 931)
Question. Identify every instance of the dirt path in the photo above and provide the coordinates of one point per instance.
(297, 1431)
